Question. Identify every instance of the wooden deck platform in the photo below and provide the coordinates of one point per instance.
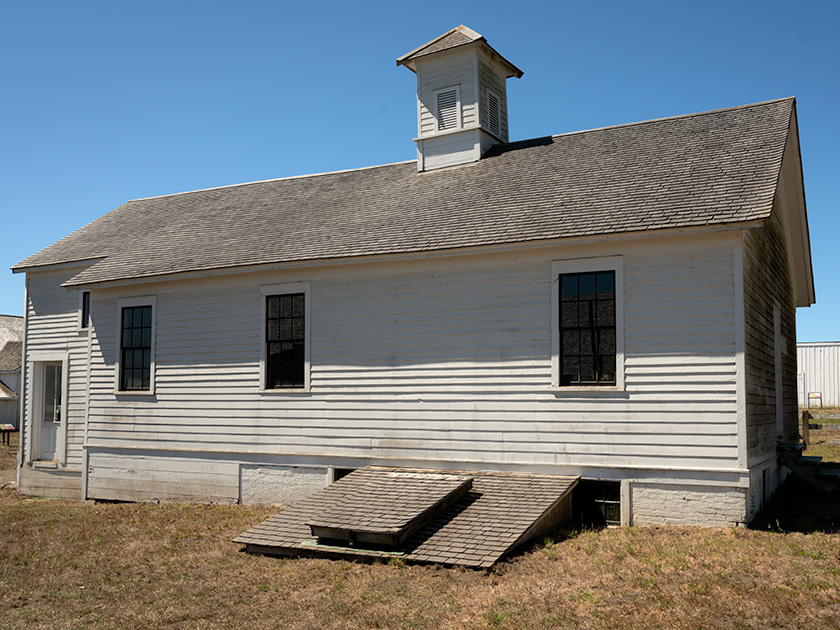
(499, 512)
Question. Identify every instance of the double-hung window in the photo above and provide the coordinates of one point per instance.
(285, 337)
(136, 363)
(588, 317)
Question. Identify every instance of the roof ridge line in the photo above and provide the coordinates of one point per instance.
(276, 179)
(653, 120)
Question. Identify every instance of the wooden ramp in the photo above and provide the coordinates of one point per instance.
(452, 517)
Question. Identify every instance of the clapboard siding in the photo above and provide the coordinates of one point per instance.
(52, 326)
(440, 365)
(156, 476)
(767, 281)
(491, 77)
(454, 69)
(819, 371)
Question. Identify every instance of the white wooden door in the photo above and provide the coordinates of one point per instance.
(50, 409)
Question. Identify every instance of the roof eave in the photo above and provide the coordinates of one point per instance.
(74, 283)
(21, 268)
(802, 273)
(408, 59)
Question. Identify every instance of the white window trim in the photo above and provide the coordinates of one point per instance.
(146, 300)
(582, 265)
(35, 363)
(283, 289)
(79, 323)
(459, 122)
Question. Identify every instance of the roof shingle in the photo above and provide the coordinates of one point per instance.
(702, 169)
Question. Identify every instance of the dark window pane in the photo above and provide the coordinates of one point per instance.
(297, 328)
(568, 314)
(606, 283)
(85, 308)
(608, 368)
(568, 287)
(607, 341)
(571, 342)
(570, 372)
(587, 286)
(285, 337)
(587, 328)
(605, 313)
(298, 305)
(587, 369)
(612, 513)
(285, 328)
(285, 306)
(136, 354)
(585, 314)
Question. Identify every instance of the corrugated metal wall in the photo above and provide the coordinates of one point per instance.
(819, 373)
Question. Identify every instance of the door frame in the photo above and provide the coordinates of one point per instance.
(35, 366)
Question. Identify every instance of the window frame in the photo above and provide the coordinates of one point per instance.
(83, 323)
(459, 121)
(122, 303)
(267, 291)
(587, 265)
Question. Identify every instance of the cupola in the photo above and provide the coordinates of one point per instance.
(461, 98)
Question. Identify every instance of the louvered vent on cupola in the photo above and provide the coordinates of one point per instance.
(448, 107)
(461, 98)
(493, 113)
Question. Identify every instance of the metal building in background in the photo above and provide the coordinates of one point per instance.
(819, 374)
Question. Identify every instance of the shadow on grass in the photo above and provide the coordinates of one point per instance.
(797, 507)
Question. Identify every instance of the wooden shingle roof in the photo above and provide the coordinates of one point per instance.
(705, 169)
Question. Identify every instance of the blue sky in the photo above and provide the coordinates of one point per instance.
(109, 101)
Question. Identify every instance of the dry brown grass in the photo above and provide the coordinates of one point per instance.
(8, 454)
(66, 564)
(825, 443)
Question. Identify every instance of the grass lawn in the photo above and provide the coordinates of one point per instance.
(8, 454)
(68, 564)
(825, 443)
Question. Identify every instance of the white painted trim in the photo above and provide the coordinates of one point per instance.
(483, 464)
(80, 327)
(582, 265)
(740, 353)
(86, 430)
(35, 360)
(82, 262)
(577, 241)
(283, 289)
(625, 503)
(24, 401)
(146, 300)
(450, 132)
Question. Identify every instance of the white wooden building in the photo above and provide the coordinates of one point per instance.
(819, 374)
(11, 336)
(617, 304)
